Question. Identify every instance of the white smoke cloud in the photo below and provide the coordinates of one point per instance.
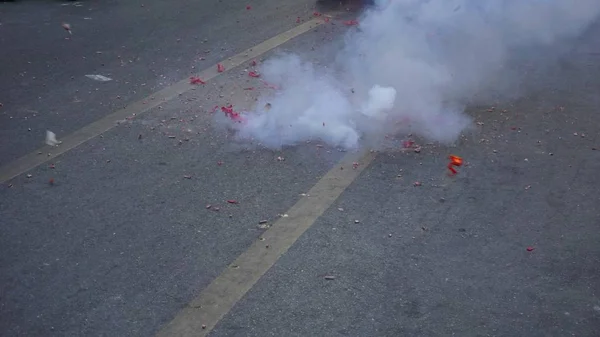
(412, 66)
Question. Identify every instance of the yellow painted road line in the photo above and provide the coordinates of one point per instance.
(92, 130)
(216, 300)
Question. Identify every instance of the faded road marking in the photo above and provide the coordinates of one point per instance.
(200, 316)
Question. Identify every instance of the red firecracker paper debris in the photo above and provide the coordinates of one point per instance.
(227, 109)
(407, 144)
(234, 116)
(249, 88)
(196, 80)
(232, 201)
(355, 165)
(51, 181)
(253, 74)
(326, 19)
(269, 85)
(454, 161)
(248, 7)
(253, 63)
(317, 14)
(215, 109)
(530, 249)
(220, 68)
(298, 20)
(351, 22)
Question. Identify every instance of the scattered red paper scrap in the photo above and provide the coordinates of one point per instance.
(253, 63)
(326, 19)
(51, 166)
(253, 74)
(530, 249)
(215, 109)
(220, 68)
(454, 161)
(51, 181)
(355, 165)
(298, 20)
(351, 22)
(317, 14)
(270, 86)
(417, 183)
(227, 109)
(249, 88)
(196, 80)
(234, 116)
(248, 7)
(408, 144)
(232, 201)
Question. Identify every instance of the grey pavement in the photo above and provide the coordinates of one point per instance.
(508, 247)
(125, 237)
(142, 45)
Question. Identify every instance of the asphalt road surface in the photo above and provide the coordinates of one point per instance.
(147, 222)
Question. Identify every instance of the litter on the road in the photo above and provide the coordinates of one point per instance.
(234, 116)
(220, 68)
(196, 80)
(51, 139)
(454, 161)
(99, 78)
(329, 277)
(67, 27)
(530, 249)
(270, 86)
(253, 74)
